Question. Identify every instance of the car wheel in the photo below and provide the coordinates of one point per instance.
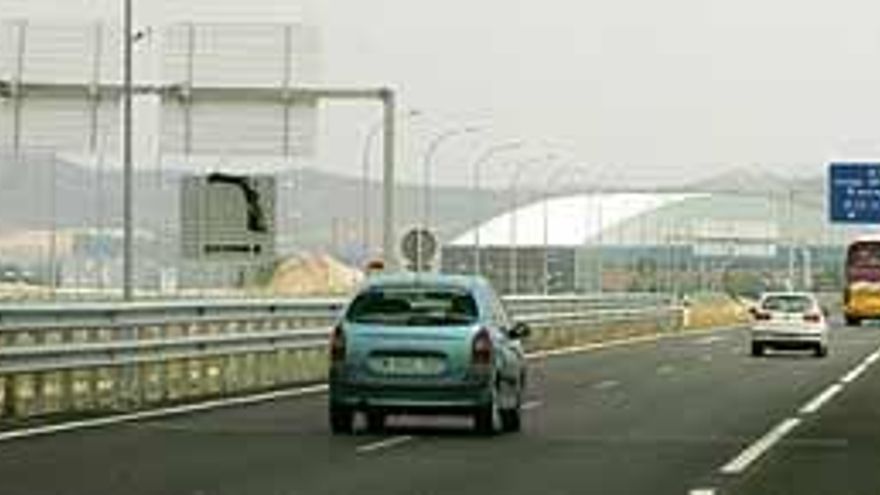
(341, 420)
(821, 351)
(757, 349)
(511, 420)
(375, 421)
(487, 418)
(852, 321)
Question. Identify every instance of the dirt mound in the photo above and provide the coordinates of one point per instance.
(314, 275)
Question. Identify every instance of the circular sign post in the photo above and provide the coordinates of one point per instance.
(419, 247)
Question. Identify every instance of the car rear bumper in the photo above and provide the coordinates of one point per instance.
(791, 338)
(411, 398)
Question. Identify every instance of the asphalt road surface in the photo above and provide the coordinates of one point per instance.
(687, 415)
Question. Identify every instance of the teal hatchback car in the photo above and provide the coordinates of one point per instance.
(427, 344)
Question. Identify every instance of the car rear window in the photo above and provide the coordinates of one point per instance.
(414, 306)
(788, 304)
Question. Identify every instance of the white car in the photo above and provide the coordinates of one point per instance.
(789, 320)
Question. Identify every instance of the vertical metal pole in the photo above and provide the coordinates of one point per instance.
(428, 168)
(187, 89)
(545, 271)
(53, 239)
(127, 191)
(94, 95)
(582, 263)
(365, 185)
(600, 243)
(791, 239)
(477, 189)
(286, 78)
(16, 86)
(512, 259)
(477, 221)
(388, 181)
(101, 234)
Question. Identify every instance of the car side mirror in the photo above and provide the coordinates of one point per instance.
(519, 331)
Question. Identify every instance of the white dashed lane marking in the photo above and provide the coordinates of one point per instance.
(757, 449)
(383, 444)
(666, 370)
(607, 384)
(745, 459)
(821, 399)
(854, 374)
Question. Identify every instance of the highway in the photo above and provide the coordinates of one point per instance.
(693, 414)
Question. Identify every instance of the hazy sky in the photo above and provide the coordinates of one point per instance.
(651, 88)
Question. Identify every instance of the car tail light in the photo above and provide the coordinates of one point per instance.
(763, 316)
(481, 353)
(337, 345)
(813, 318)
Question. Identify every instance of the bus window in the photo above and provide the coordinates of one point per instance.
(865, 255)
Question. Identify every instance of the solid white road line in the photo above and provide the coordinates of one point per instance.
(624, 342)
(702, 491)
(741, 462)
(384, 444)
(590, 347)
(873, 358)
(821, 399)
(161, 413)
(528, 406)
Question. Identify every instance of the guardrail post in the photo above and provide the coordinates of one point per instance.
(7, 392)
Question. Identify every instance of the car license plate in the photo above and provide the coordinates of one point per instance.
(407, 365)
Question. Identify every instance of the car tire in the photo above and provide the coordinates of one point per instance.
(852, 321)
(341, 420)
(375, 421)
(820, 351)
(757, 349)
(511, 420)
(488, 416)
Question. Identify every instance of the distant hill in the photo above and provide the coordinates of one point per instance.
(317, 211)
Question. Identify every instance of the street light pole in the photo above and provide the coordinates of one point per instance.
(513, 259)
(427, 167)
(549, 184)
(477, 189)
(127, 170)
(367, 152)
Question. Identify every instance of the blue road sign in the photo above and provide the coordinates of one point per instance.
(854, 190)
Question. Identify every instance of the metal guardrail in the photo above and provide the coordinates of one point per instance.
(112, 356)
